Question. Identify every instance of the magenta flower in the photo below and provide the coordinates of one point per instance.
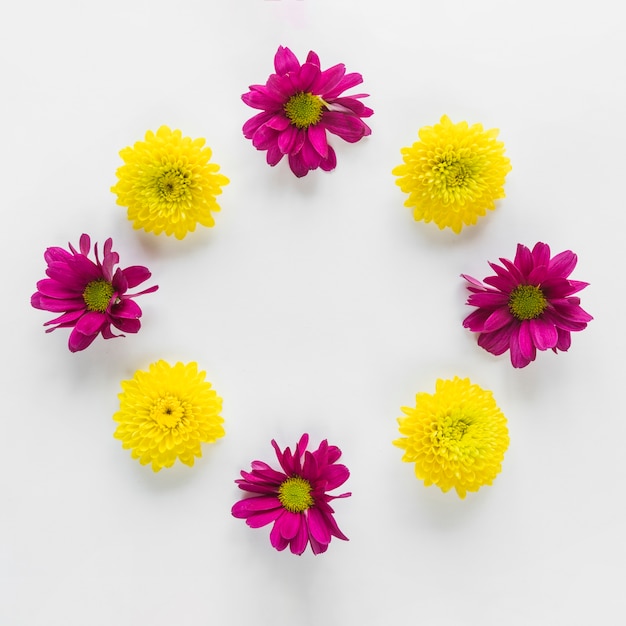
(91, 296)
(299, 104)
(296, 499)
(528, 306)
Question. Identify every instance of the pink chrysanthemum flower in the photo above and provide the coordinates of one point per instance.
(528, 306)
(92, 296)
(296, 499)
(299, 104)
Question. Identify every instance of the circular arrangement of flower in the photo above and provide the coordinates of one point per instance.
(295, 499)
(91, 295)
(453, 174)
(299, 103)
(166, 414)
(456, 437)
(528, 305)
(168, 183)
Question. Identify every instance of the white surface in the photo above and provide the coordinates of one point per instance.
(314, 305)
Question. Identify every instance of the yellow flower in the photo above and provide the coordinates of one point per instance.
(453, 174)
(168, 184)
(456, 437)
(166, 413)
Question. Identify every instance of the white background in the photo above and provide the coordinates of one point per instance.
(314, 305)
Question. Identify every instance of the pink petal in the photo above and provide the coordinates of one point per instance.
(299, 542)
(307, 75)
(91, 323)
(564, 342)
(78, 341)
(329, 79)
(297, 165)
(489, 299)
(261, 100)
(278, 122)
(285, 61)
(475, 321)
(255, 122)
(263, 518)
(525, 340)
(349, 127)
(313, 58)
(84, 244)
(249, 506)
(289, 524)
(500, 318)
(55, 305)
(541, 254)
(335, 475)
(523, 260)
(517, 275)
(135, 275)
(126, 325)
(317, 137)
(317, 526)
(126, 308)
(66, 319)
(351, 104)
(264, 138)
(330, 162)
(518, 359)
(544, 334)
(280, 88)
(497, 342)
(276, 539)
(55, 289)
(287, 139)
(274, 155)
(348, 81)
(310, 156)
(563, 264)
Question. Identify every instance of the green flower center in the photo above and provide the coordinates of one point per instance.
(97, 295)
(452, 169)
(295, 494)
(527, 302)
(304, 109)
(168, 411)
(450, 436)
(173, 183)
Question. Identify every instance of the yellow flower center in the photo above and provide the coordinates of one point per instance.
(452, 172)
(295, 494)
(173, 183)
(168, 411)
(304, 109)
(527, 302)
(97, 295)
(447, 435)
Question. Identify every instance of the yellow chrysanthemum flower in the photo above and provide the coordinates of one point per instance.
(166, 413)
(454, 174)
(168, 184)
(456, 437)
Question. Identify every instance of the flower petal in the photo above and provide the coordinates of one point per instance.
(317, 526)
(285, 61)
(135, 275)
(289, 524)
(328, 79)
(544, 334)
(299, 542)
(563, 264)
(249, 506)
(349, 127)
(317, 136)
